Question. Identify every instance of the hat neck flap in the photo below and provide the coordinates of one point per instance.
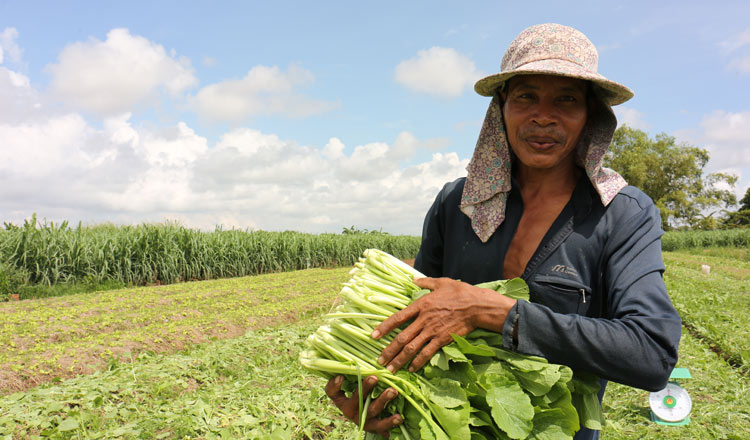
(488, 181)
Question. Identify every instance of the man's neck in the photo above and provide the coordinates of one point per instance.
(540, 185)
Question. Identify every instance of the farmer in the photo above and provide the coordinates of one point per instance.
(537, 204)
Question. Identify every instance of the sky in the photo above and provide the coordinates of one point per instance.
(317, 116)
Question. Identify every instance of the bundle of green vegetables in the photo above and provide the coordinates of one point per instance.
(471, 389)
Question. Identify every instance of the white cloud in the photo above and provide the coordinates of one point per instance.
(737, 41)
(283, 185)
(263, 91)
(602, 48)
(55, 162)
(726, 136)
(456, 30)
(438, 71)
(437, 144)
(8, 47)
(17, 98)
(740, 64)
(473, 125)
(64, 169)
(630, 117)
(114, 76)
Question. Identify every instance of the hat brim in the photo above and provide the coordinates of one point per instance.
(611, 92)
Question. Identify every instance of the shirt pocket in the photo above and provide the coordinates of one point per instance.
(562, 295)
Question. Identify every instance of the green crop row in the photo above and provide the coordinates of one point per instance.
(674, 240)
(48, 254)
(250, 387)
(49, 338)
(713, 305)
(253, 387)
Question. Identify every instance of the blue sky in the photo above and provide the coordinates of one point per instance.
(314, 116)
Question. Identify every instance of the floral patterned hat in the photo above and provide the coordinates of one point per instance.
(554, 49)
(550, 49)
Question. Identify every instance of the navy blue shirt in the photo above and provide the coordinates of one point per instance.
(598, 302)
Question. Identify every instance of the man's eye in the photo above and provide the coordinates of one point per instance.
(568, 98)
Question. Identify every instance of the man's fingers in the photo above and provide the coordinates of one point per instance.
(382, 426)
(349, 405)
(427, 352)
(427, 282)
(377, 405)
(397, 346)
(408, 352)
(333, 387)
(394, 321)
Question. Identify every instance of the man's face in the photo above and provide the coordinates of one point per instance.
(544, 117)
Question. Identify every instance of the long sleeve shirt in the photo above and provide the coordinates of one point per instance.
(598, 302)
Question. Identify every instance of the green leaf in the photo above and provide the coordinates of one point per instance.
(589, 410)
(585, 383)
(562, 399)
(468, 348)
(461, 372)
(493, 339)
(515, 288)
(454, 421)
(476, 420)
(425, 431)
(440, 360)
(538, 382)
(511, 407)
(444, 392)
(54, 407)
(68, 425)
(547, 426)
(520, 361)
(454, 354)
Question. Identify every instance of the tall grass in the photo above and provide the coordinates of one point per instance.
(674, 240)
(169, 253)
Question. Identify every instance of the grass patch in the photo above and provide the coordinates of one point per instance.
(719, 393)
(178, 361)
(739, 255)
(251, 387)
(731, 238)
(713, 307)
(61, 337)
(36, 291)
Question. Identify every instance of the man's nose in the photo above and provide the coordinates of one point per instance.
(545, 113)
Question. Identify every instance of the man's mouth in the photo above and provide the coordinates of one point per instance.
(541, 142)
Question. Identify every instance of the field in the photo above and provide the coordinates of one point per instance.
(218, 359)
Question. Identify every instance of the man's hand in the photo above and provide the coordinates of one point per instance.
(451, 307)
(350, 406)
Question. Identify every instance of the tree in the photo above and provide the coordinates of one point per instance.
(672, 175)
(741, 217)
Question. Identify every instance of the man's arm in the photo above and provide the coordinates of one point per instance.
(636, 344)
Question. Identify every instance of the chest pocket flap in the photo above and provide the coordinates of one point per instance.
(562, 295)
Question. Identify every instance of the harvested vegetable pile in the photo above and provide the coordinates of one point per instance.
(471, 389)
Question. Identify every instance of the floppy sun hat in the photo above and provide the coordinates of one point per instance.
(551, 49)
(554, 49)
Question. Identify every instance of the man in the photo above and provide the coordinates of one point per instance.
(538, 204)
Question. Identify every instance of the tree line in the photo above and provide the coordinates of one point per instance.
(673, 175)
